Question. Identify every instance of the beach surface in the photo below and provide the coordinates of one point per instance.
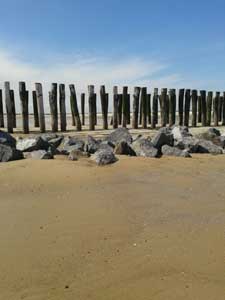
(139, 229)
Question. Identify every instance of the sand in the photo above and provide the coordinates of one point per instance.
(140, 229)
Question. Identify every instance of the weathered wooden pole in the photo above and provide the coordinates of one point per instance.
(95, 109)
(104, 104)
(62, 107)
(39, 92)
(155, 108)
(1, 111)
(187, 107)
(194, 98)
(167, 109)
(13, 107)
(203, 101)
(83, 108)
(9, 109)
(24, 106)
(136, 98)
(115, 106)
(74, 105)
(53, 107)
(91, 100)
(124, 106)
(128, 108)
(172, 107)
(223, 111)
(35, 109)
(220, 108)
(199, 109)
(120, 106)
(144, 106)
(163, 100)
(209, 107)
(140, 110)
(72, 113)
(181, 107)
(215, 109)
(149, 109)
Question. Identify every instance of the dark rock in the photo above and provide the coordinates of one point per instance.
(8, 153)
(73, 143)
(144, 147)
(104, 157)
(123, 148)
(163, 138)
(7, 139)
(32, 144)
(205, 146)
(106, 145)
(55, 142)
(188, 143)
(91, 145)
(119, 135)
(76, 154)
(214, 132)
(173, 151)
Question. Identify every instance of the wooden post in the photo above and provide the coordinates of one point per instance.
(104, 104)
(149, 109)
(83, 108)
(24, 106)
(115, 106)
(172, 107)
(215, 109)
(95, 109)
(144, 107)
(199, 109)
(9, 109)
(72, 113)
(75, 110)
(181, 107)
(220, 108)
(120, 105)
(13, 107)
(209, 107)
(128, 109)
(53, 107)
(203, 100)
(155, 108)
(223, 111)
(167, 109)
(62, 107)
(1, 111)
(163, 99)
(140, 110)
(187, 107)
(136, 98)
(35, 109)
(91, 99)
(194, 98)
(39, 92)
(124, 106)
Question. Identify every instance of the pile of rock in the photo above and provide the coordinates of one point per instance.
(175, 141)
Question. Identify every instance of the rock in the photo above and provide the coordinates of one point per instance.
(49, 136)
(40, 154)
(173, 151)
(76, 154)
(119, 135)
(7, 139)
(205, 146)
(106, 145)
(8, 153)
(162, 138)
(55, 142)
(32, 144)
(123, 148)
(104, 157)
(91, 145)
(144, 147)
(73, 143)
(213, 132)
(179, 132)
(188, 143)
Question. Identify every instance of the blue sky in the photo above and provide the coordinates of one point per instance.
(173, 43)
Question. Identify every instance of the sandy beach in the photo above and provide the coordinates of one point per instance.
(137, 230)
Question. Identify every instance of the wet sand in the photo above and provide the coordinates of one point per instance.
(140, 229)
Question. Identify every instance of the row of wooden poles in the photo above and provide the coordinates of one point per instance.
(204, 108)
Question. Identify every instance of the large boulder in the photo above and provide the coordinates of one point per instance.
(32, 144)
(205, 146)
(104, 157)
(123, 148)
(91, 145)
(73, 143)
(163, 137)
(119, 135)
(8, 153)
(7, 139)
(179, 132)
(144, 147)
(173, 151)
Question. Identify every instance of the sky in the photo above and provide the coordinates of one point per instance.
(170, 43)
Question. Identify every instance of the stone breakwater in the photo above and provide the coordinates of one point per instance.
(168, 141)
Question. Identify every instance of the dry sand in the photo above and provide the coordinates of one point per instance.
(140, 229)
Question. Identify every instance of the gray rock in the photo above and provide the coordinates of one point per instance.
(104, 157)
(32, 144)
(123, 148)
(205, 146)
(173, 151)
(49, 136)
(106, 145)
(119, 135)
(162, 138)
(8, 153)
(77, 154)
(91, 145)
(73, 143)
(188, 143)
(179, 132)
(7, 139)
(40, 154)
(213, 132)
(55, 142)
(144, 147)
